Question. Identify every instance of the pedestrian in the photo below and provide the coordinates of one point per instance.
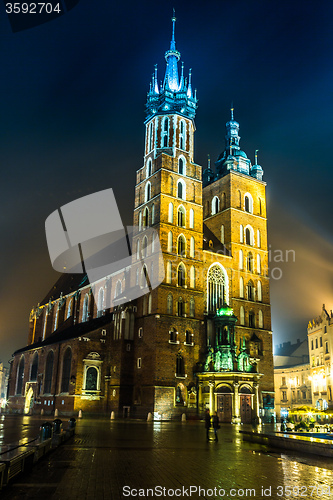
(207, 423)
(216, 426)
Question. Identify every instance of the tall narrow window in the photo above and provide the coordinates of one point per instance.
(260, 319)
(192, 307)
(48, 373)
(249, 237)
(170, 215)
(181, 245)
(138, 249)
(149, 168)
(147, 192)
(149, 303)
(146, 217)
(260, 206)
(192, 277)
(152, 214)
(249, 262)
(150, 135)
(170, 244)
(241, 316)
(248, 203)
(241, 233)
(215, 205)
(191, 218)
(180, 366)
(91, 379)
(258, 239)
(69, 308)
(251, 319)
(181, 190)
(34, 368)
(216, 288)
(100, 302)
(192, 247)
(66, 370)
(145, 247)
(140, 221)
(181, 216)
(241, 287)
(181, 274)
(180, 307)
(85, 308)
(118, 289)
(258, 264)
(169, 304)
(181, 166)
(250, 291)
(222, 234)
(168, 272)
(165, 133)
(55, 324)
(259, 291)
(241, 260)
(223, 201)
(182, 135)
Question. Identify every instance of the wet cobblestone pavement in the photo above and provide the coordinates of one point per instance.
(126, 459)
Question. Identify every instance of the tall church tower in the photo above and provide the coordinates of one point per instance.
(168, 198)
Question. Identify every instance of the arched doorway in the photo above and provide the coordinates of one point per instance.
(29, 400)
(224, 404)
(245, 405)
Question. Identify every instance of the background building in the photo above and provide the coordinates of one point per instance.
(203, 337)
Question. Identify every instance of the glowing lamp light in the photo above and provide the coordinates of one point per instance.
(225, 311)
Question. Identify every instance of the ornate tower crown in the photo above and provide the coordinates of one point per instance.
(175, 94)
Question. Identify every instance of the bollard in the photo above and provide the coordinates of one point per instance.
(112, 415)
(80, 414)
(149, 417)
(42, 412)
(72, 423)
(184, 417)
(56, 412)
(57, 425)
(46, 431)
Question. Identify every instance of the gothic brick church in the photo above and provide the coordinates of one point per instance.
(202, 338)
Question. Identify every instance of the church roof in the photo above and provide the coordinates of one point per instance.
(66, 284)
(212, 243)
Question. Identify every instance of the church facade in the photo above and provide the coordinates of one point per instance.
(202, 338)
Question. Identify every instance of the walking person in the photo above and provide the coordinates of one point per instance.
(207, 423)
(216, 426)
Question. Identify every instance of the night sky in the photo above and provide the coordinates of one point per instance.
(72, 96)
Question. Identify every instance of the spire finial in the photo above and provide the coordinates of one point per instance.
(208, 156)
(173, 19)
(256, 156)
(232, 111)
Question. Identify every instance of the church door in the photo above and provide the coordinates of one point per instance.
(224, 407)
(245, 408)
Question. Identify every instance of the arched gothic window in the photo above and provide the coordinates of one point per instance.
(85, 308)
(241, 316)
(181, 245)
(181, 190)
(259, 291)
(170, 244)
(169, 304)
(69, 309)
(146, 217)
(152, 214)
(118, 289)
(241, 233)
(241, 260)
(149, 303)
(48, 373)
(180, 366)
(241, 287)
(100, 302)
(180, 307)
(91, 379)
(168, 272)
(249, 262)
(215, 205)
(216, 288)
(250, 291)
(192, 277)
(191, 218)
(181, 216)
(258, 239)
(170, 215)
(182, 135)
(147, 192)
(149, 168)
(222, 234)
(192, 307)
(66, 370)
(192, 247)
(144, 247)
(181, 274)
(258, 264)
(34, 368)
(181, 166)
(165, 133)
(251, 319)
(260, 319)
(248, 203)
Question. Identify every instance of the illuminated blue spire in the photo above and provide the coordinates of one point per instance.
(174, 95)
